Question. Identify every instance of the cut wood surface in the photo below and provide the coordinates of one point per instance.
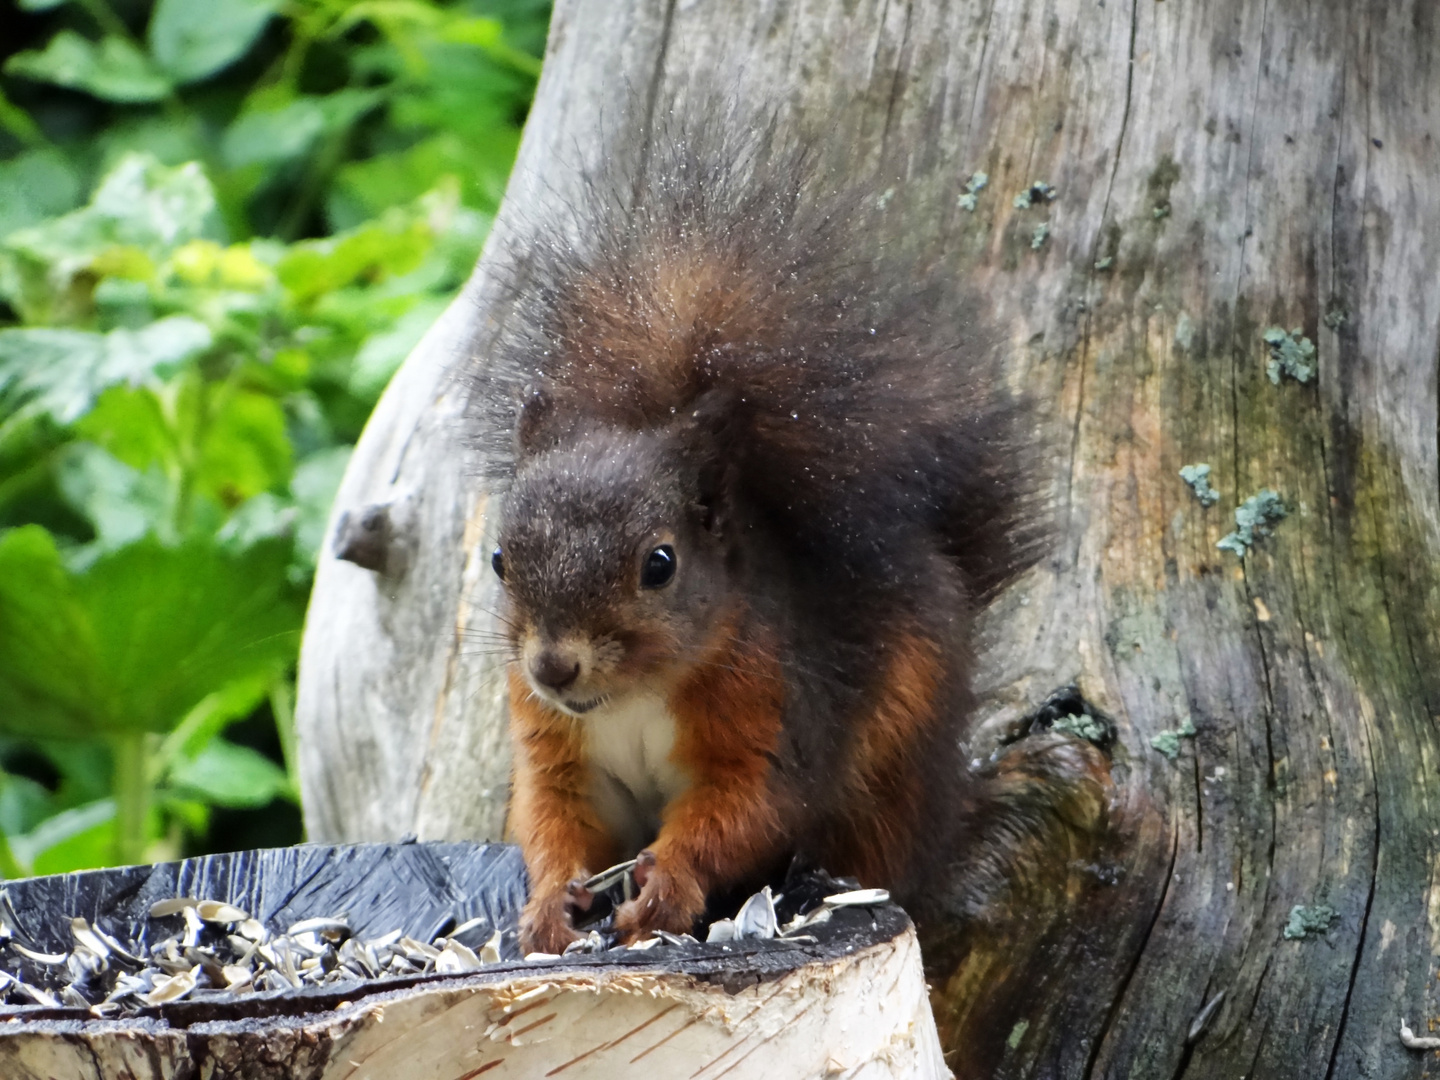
(863, 1016)
(1221, 167)
(847, 1001)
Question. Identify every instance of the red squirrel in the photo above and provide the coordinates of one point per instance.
(755, 483)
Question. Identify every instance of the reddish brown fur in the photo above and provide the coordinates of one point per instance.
(727, 825)
(551, 813)
(728, 719)
(885, 771)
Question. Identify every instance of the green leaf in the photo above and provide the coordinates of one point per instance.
(114, 70)
(141, 211)
(229, 775)
(233, 701)
(394, 246)
(59, 373)
(136, 639)
(139, 203)
(193, 39)
(23, 804)
(265, 517)
(382, 353)
(314, 485)
(40, 5)
(245, 449)
(130, 423)
(35, 185)
(268, 136)
(19, 123)
(75, 839)
(121, 503)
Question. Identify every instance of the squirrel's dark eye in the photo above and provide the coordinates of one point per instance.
(659, 567)
(497, 563)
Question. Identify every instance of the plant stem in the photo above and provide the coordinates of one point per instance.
(131, 786)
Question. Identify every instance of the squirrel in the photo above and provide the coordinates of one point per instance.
(755, 485)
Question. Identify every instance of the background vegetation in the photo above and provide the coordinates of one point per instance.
(223, 223)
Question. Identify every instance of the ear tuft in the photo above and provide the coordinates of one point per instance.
(534, 427)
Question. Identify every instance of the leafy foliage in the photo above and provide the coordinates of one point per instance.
(223, 224)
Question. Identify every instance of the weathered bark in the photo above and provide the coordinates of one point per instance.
(1221, 166)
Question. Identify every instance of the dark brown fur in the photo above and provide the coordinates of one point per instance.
(729, 359)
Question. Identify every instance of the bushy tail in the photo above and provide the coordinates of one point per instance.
(848, 399)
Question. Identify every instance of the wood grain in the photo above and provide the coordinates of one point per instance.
(1242, 164)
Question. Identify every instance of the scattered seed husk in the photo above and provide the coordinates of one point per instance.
(593, 942)
(468, 925)
(221, 948)
(490, 951)
(237, 977)
(723, 930)
(756, 917)
(217, 911)
(173, 987)
(84, 966)
(36, 995)
(859, 898)
(162, 908)
(467, 955)
(82, 933)
(118, 950)
(331, 929)
(72, 997)
(417, 952)
(811, 918)
(39, 957)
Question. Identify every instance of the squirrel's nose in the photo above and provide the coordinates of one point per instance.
(554, 669)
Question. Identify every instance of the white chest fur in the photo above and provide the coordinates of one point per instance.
(629, 744)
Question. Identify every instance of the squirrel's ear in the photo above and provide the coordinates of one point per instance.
(709, 436)
(534, 424)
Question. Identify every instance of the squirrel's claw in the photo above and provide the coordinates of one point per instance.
(545, 924)
(578, 899)
(669, 902)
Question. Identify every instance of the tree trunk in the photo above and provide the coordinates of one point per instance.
(1221, 167)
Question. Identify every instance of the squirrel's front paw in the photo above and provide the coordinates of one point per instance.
(545, 924)
(667, 901)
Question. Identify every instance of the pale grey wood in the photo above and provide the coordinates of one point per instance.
(1290, 149)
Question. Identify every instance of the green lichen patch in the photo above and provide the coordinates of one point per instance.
(1082, 726)
(1290, 354)
(1336, 317)
(973, 187)
(1040, 234)
(1305, 921)
(1198, 477)
(1160, 212)
(1017, 1033)
(1105, 262)
(1253, 519)
(1037, 194)
(1168, 742)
